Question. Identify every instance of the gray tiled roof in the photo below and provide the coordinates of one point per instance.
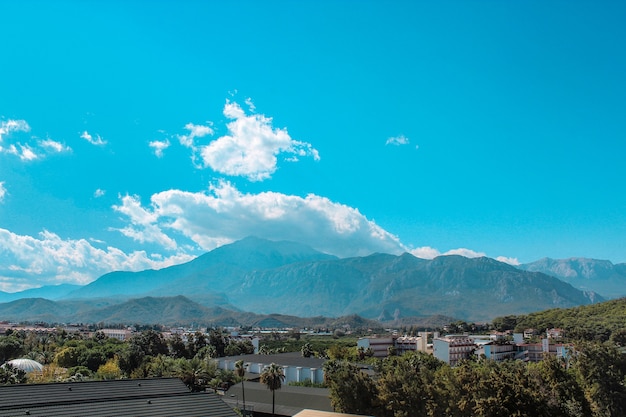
(132, 397)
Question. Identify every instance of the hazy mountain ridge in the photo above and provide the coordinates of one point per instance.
(292, 279)
(170, 311)
(600, 276)
(50, 292)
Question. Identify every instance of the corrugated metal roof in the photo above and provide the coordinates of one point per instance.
(132, 397)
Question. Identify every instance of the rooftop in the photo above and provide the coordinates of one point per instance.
(158, 397)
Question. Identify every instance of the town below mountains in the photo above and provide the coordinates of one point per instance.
(282, 284)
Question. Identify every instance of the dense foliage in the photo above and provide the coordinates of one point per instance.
(70, 357)
(601, 322)
(590, 383)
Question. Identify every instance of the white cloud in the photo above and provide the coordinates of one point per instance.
(251, 148)
(427, 252)
(48, 259)
(37, 149)
(159, 146)
(25, 152)
(506, 260)
(195, 131)
(468, 253)
(3, 191)
(99, 193)
(250, 104)
(98, 141)
(224, 214)
(397, 140)
(54, 146)
(144, 227)
(9, 126)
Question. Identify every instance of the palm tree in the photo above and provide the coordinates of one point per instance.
(273, 377)
(195, 373)
(240, 371)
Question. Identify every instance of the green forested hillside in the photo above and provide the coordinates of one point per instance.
(602, 321)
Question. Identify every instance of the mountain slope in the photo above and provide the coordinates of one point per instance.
(600, 276)
(591, 322)
(205, 273)
(50, 292)
(472, 289)
(288, 278)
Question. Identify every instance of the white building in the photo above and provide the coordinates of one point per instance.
(453, 348)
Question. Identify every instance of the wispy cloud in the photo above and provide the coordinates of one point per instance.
(54, 146)
(97, 140)
(397, 140)
(24, 152)
(27, 148)
(195, 131)
(224, 214)
(252, 145)
(3, 191)
(49, 259)
(159, 146)
(8, 126)
(99, 193)
(507, 260)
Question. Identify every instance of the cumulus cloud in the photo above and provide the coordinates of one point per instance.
(144, 227)
(251, 147)
(224, 214)
(99, 193)
(48, 259)
(3, 191)
(97, 140)
(159, 146)
(468, 253)
(397, 140)
(426, 252)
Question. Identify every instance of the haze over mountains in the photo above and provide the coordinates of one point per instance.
(256, 276)
(600, 276)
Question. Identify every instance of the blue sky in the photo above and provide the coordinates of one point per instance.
(138, 135)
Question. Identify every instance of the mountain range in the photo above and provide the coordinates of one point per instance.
(292, 279)
(600, 276)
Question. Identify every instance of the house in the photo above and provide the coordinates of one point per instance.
(380, 345)
(157, 397)
(295, 367)
(119, 334)
(453, 348)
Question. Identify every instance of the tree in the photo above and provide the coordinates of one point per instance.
(273, 377)
(68, 357)
(307, 350)
(110, 370)
(195, 373)
(240, 371)
(351, 391)
(10, 374)
(10, 348)
(601, 371)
